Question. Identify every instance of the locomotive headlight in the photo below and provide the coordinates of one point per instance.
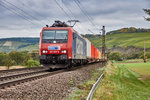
(62, 51)
(65, 51)
(44, 51)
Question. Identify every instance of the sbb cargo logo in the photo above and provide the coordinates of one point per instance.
(53, 47)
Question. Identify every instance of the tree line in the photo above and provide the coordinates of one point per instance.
(117, 56)
(129, 30)
(22, 58)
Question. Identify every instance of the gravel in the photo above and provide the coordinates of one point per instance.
(54, 87)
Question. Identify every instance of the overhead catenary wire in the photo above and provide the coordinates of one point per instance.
(62, 9)
(85, 13)
(29, 16)
(18, 14)
(91, 19)
(69, 10)
(73, 15)
(31, 10)
(20, 9)
(65, 11)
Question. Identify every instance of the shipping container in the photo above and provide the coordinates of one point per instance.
(92, 51)
(96, 53)
(78, 47)
(88, 48)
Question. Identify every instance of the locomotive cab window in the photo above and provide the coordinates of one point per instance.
(48, 34)
(55, 36)
(61, 34)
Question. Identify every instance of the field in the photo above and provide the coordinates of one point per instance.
(125, 81)
(141, 68)
(124, 40)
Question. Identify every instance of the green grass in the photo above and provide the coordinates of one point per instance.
(121, 83)
(124, 40)
(131, 61)
(141, 68)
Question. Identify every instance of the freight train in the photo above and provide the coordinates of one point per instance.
(61, 45)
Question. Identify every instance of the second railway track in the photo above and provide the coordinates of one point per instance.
(13, 80)
(11, 72)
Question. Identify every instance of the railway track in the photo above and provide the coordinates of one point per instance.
(8, 81)
(12, 72)
(20, 69)
(12, 80)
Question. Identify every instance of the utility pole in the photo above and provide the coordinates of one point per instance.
(144, 53)
(103, 42)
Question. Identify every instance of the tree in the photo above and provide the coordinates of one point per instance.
(134, 55)
(147, 11)
(17, 57)
(2, 56)
(7, 61)
(115, 56)
(26, 57)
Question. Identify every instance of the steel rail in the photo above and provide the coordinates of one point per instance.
(20, 69)
(94, 87)
(27, 79)
(19, 75)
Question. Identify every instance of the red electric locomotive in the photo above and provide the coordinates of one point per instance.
(62, 46)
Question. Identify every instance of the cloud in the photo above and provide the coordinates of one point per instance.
(34, 14)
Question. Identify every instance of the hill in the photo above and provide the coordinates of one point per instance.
(19, 44)
(112, 40)
(124, 40)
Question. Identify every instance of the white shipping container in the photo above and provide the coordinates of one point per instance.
(79, 48)
(88, 51)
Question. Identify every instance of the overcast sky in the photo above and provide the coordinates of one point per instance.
(25, 18)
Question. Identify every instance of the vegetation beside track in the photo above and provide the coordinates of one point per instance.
(121, 83)
(82, 90)
(23, 58)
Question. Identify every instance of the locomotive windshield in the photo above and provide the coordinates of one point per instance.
(55, 36)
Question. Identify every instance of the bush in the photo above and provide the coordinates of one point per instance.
(147, 55)
(134, 55)
(35, 55)
(115, 56)
(32, 63)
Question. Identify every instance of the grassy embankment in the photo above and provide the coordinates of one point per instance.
(125, 81)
